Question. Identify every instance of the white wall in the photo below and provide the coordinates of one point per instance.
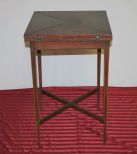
(15, 68)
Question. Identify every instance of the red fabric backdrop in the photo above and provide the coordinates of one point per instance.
(70, 132)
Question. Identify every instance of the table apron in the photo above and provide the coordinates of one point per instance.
(69, 45)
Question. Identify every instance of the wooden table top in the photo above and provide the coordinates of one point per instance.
(71, 25)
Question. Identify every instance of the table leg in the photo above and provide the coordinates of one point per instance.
(35, 92)
(40, 78)
(106, 67)
(98, 76)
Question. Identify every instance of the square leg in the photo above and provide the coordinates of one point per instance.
(98, 76)
(106, 67)
(35, 90)
(40, 78)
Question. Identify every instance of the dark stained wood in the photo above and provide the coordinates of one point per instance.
(98, 75)
(71, 104)
(40, 77)
(70, 45)
(70, 25)
(69, 33)
(106, 68)
(35, 90)
(73, 51)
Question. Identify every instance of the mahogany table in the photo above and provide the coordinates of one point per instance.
(67, 32)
